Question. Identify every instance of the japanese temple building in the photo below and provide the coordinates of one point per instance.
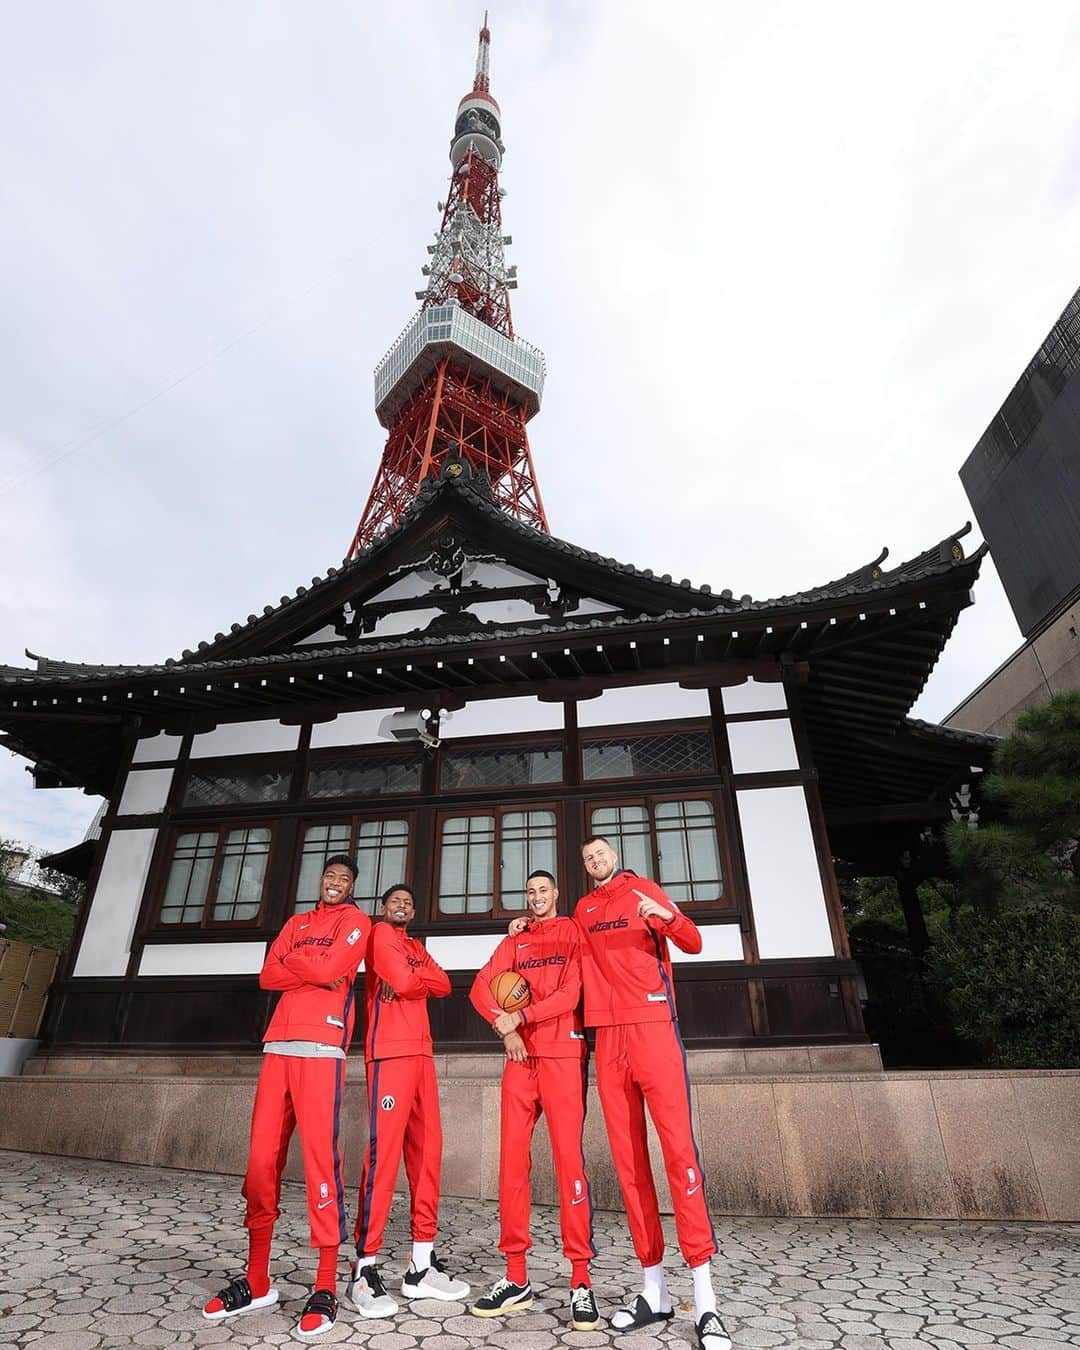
(463, 701)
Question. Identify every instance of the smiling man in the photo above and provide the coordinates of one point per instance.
(403, 1104)
(626, 922)
(312, 962)
(545, 1071)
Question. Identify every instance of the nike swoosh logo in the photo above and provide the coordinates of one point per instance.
(303, 926)
(523, 944)
(580, 1200)
(692, 1190)
(323, 1203)
(590, 908)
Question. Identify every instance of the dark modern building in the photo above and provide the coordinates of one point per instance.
(1023, 481)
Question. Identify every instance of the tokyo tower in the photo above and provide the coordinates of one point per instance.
(458, 383)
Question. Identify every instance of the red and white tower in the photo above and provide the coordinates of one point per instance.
(458, 382)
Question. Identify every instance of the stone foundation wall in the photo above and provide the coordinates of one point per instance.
(971, 1145)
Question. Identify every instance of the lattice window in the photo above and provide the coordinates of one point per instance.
(667, 753)
(243, 785)
(509, 766)
(217, 876)
(485, 858)
(359, 776)
(674, 841)
(320, 843)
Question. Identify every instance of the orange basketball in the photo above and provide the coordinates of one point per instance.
(510, 991)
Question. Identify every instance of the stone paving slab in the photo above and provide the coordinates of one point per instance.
(97, 1254)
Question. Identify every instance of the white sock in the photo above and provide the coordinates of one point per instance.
(362, 1261)
(654, 1287)
(704, 1294)
(421, 1255)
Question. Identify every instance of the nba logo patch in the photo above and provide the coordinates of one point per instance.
(690, 1175)
(351, 939)
(324, 1190)
(577, 1187)
(387, 1103)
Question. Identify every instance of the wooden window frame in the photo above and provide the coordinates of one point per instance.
(207, 923)
(497, 910)
(326, 753)
(729, 902)
(636, 731)
(353, 819)
(540, 740)
(285, 759)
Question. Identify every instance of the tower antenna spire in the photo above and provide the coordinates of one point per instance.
(459, 383)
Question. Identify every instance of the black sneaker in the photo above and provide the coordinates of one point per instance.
(503, 1298)
(434, 1282)
(584, 1314)
(711, 1333)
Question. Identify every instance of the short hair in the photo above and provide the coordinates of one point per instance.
(540, 872)
(399, 886)
(341, 860)
(595, 839)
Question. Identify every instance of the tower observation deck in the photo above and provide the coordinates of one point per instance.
(458, 382)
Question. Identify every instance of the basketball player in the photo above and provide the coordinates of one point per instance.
(313, 962)
(626, 922)
(403, 1105)
(545, 1071)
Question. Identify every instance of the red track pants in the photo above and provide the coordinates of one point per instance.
(305, 1092)
(403, 1114)
(557, 1088)
(642, 1064)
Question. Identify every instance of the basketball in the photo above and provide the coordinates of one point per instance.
(510, 991)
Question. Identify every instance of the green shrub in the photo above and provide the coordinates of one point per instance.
(37, 920)
(1011, 982)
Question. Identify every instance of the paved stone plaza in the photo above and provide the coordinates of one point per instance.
(96, 1254)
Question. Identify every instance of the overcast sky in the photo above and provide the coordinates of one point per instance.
(785, 262)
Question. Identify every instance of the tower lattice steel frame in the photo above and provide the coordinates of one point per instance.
(458, 383)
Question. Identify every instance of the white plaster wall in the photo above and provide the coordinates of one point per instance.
(409, 587)
(719, 942)
(403, 621)
(500, 716)
(203, 958)
(504, 611)
(754, 696)
(351, 728)
(642, 703)
(785, 885)
(106, 942)
(324, 637)
(762, 747)
(590, 606)
(156, 747)
(245, 738)
(497, 574)
(465, 951)
(145, 790)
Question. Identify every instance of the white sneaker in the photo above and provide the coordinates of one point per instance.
(433, 1283)
(367, 1293)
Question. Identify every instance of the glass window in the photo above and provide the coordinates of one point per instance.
(382, 854)
(674, 841)
(493, 767)
(466, 872)
(357, 776)
(189, 877)
(469, 880)
(238, 894)
(320, 843)
(244, 784)
(674, 752)
(217, 876)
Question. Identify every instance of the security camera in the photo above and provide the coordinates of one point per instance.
(422, 726)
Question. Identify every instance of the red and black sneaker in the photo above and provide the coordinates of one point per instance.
(237, 1298)
(319, 1315)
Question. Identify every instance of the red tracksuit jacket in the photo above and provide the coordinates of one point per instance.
(548, 954)
(312, 951)
(400, 975)
(625, 965)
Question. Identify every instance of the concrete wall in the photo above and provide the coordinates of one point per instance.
(1048, 664)
(970, 1145)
